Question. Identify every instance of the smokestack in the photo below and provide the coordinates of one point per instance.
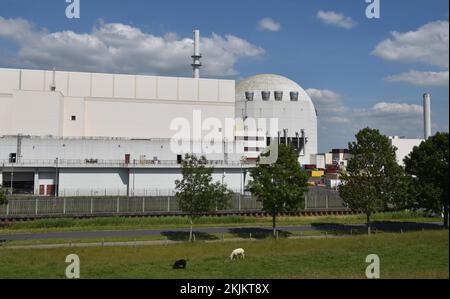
(427, 115)
(196, 57)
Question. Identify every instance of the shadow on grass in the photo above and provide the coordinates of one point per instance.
(184, 236)
(385, 226)
(256, 233)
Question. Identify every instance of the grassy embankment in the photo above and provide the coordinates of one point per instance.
(407, 255)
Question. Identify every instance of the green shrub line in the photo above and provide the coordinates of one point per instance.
(112, 223)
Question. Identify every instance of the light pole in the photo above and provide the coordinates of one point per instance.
(134, 174)
(56, 178)
(12, 177)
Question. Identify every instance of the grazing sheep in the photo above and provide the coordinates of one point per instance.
(237, 253)
(180, 264)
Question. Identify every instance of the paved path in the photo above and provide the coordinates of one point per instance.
(174, 234)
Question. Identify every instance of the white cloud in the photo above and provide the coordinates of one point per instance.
(115, 47)
(337, 120)
(269, 24)
(429, 44)
(336, 19)
(385, 108)
(421, 78)
(326, 101)
(338, 123)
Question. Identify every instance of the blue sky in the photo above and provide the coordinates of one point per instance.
(356, 71)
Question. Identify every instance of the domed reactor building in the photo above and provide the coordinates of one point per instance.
(276, 109)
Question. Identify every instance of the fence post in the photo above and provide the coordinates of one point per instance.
(92, 205)
(118, 206)
(143, 204)
(306, 201)
(36, 206)
(239, 202)
(326, 201)
(64, 205)
(7, 209)
(168, 203)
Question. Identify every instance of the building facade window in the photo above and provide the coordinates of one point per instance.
(294, 96)
(278, 95)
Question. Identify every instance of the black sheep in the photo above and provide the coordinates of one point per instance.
(180, 264)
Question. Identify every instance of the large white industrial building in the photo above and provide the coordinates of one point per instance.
(74, 133)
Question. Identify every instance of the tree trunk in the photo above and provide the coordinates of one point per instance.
(190, 231)
(274, 225)
(368, 224)
(446, 216)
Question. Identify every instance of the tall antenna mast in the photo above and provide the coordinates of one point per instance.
(196, 57)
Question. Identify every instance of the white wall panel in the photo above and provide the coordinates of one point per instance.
(34, 113)
(124, 86)
(146, 87)
(79, 84)
(9, 80)
(167, 88)
(74, 107)
(102, 85)
(33, 80)
(209, 90)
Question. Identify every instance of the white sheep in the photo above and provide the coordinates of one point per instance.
(237, 253)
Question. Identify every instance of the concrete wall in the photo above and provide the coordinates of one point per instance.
(79, 182)
(47, 148)
(404, 147)
(138, 182)
(106, 104)
(37, 113)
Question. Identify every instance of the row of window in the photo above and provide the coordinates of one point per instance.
(278, 95)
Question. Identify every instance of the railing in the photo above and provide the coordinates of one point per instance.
(110, 205)
(112, 163)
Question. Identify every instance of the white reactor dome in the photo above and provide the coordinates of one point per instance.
(271, 83)
(268, 96)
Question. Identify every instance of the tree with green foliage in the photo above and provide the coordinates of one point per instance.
(427, 165)
(372, 179)
(3, 200)
(279, 186)
(196, 193)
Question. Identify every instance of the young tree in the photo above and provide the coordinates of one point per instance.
(427, 165)
(196, 193)
(372, 179)
(3, 199)
(279, 186)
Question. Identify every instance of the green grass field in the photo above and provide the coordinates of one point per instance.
(118, 223)
(409, 255)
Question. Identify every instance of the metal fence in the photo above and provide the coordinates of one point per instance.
(41, 206)
(322, 198)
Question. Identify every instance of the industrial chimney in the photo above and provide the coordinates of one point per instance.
(427, 115)
(196, 57)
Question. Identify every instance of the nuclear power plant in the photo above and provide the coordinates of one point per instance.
(76, 134)
(66, 133)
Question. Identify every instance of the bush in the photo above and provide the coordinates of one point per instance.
(3, 200)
